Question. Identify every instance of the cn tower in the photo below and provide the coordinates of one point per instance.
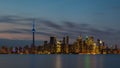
(33, 31)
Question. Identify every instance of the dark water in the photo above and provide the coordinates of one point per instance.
(59, 61)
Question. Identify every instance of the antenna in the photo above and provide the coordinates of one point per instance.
(33, 26)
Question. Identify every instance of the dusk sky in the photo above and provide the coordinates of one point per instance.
(98, 18)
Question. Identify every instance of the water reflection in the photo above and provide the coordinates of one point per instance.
(32, 61)
(81, 61)
(87, 61)
(58, 63)
(101, 62)
(91, 61)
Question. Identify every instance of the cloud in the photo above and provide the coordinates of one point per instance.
(69, 24)
(51, 28)
(10, 31)
(98, 31)
(115, 8)
(74, 25)
(50, 24)
(19, 20)
(9, 19)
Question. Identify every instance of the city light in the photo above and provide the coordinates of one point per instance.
(80, 46)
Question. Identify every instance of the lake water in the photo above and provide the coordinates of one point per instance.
(59, 61)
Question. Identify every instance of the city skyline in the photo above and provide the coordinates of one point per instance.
(55, 46)
(60, 18)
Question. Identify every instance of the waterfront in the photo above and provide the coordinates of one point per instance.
(59, 61)
(80, 46)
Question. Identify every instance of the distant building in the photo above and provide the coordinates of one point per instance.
(65, 45)
(53, 41)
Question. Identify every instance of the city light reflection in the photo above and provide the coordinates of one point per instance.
(58, 63)
(93, 61)
(87, 61)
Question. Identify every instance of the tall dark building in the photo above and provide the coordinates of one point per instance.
(53, 40)
(66, 40)
(65, 44)
(45, 42)
(52, 43)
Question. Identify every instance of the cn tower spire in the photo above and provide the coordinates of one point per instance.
(33, 31)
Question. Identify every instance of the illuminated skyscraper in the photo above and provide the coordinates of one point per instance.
(65, 44)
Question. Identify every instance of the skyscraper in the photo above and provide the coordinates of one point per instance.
(66, 40)
(53, 40)
(65, 44)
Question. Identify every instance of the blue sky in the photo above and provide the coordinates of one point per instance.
(88, 11)
(99, 18)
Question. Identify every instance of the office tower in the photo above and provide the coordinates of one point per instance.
(80, 43)
(52, 43)
(66, 40)
(46, 45)
(65, 44)
(53, 40)
(58, 47)
(45, 42)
